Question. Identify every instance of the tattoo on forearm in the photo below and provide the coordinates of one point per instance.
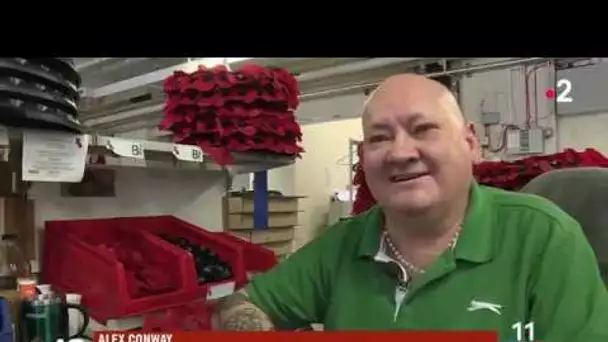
(247, 319)
(236, 313)
(231, 301)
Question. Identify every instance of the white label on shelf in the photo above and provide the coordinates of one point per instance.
(4, 140)
(53, 156)
(4, 153)
(188, 153)
(126, 148)
(220, 290)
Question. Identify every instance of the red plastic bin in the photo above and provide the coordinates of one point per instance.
(228, 250)
(259, 259)
(194, 316)
(74, 262)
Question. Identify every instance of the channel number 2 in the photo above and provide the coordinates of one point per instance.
(564, 90)
(524, 332)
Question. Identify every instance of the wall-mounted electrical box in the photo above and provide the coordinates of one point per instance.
(526, 141)
(490, 118)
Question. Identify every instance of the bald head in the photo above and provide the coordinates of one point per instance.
(413, 125)
(413, 91)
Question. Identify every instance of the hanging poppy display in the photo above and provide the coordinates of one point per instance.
(222, 111)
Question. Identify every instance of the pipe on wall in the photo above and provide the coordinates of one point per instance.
(470, 69)
(349, 68)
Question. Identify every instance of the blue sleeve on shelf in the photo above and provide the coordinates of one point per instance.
(260, 200)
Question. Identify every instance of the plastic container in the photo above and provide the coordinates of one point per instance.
(77, 257)
(259, 259)
(228, 250)
(195, 316)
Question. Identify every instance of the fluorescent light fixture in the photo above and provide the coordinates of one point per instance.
(209, 62)
(159, 75)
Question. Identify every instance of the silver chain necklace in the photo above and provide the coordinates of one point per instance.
(401, 259)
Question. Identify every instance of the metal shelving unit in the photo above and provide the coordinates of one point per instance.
(165, 155)
(133, 153)
(124, 152)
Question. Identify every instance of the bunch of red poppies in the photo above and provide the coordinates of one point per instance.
(223, 111)
(514, 175)
(364, 198)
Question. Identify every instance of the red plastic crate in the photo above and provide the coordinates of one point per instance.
(228, 251)
(71, 262)
(195, 316)
(74, 262)
(259, 259)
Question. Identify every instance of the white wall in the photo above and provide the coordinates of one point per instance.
(322, 170)
(584, 131)
(193, 197)
(588, 110)
(282, 179)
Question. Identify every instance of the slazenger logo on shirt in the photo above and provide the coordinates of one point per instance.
(477, 305)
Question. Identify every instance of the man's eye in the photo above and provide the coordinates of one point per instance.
(424, 128)
(377, 138)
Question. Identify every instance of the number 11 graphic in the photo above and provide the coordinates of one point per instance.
(524, 332)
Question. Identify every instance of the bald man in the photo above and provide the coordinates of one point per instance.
(438, 252)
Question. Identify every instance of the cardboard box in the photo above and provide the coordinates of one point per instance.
(262, 236)
(17, 217)
(280, 248)
(243, 203)
(275, 220)
(238, 211)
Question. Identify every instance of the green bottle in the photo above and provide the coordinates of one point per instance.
(45, 319)
(41, 320)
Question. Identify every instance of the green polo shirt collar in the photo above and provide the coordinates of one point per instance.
(476, 242)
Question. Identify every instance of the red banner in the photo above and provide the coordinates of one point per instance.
(406, 336)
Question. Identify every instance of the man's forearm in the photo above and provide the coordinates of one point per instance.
(237, 313)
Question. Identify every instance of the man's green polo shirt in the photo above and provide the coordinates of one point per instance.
(519, 259)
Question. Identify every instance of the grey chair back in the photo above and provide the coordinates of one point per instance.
(583, 194)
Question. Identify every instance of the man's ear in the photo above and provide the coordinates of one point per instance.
(473, 142)
(471, 128)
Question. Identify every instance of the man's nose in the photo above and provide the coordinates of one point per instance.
(403, 149)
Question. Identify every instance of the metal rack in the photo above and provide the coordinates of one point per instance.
(132, 153)
(181, 157)
(124, 152)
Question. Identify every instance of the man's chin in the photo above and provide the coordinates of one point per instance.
(412, 202)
